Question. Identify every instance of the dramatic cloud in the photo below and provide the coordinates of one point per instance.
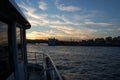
(42, 5)
(62, 26)
(37, 19)
(69, 8)
(45, 20)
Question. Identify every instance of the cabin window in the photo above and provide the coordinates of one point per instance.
(19, 44)
(5, 56)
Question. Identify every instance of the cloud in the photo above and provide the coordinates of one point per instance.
(30, 12)
(62, 7)
(37, 19)
(66, 21)
(60, 25)
(35, 35)
(27, 8)
(43, 35)
(74, 31)
(77, 17)
(69, 8)
(88, 22)
(83, 16)
(58, 35)
(42, 5)
(65, 29)
(118, 29)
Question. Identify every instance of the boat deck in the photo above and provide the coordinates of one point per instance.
(41, 67)
(35, 72)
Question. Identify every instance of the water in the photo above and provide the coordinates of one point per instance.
(84, 63)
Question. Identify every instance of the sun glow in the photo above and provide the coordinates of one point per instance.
(30, 36)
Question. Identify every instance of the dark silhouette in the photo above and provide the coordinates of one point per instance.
(108, 41)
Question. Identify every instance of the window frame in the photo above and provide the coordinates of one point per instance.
(21, 42)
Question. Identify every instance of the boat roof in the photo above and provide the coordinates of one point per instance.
(10, 7)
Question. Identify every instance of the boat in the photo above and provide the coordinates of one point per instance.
(52, 41)
(14, 63)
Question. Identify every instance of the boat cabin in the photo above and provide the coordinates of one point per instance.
(13, 56)
(13, 53)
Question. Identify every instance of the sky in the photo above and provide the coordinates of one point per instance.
(71, 19)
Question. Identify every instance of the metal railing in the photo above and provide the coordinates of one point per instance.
(49, 69)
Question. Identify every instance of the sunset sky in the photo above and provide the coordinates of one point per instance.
(71, 19)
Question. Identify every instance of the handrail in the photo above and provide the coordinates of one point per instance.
(53, 65)
(48, 66)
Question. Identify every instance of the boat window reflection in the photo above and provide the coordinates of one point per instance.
(5, 61)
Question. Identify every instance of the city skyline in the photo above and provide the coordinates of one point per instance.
(71, 19)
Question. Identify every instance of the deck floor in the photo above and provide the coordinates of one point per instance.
(35, 72)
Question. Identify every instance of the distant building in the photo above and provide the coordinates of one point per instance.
(118, 38)
(90, 42)
(83, 42)
(109, 41)
(99, 41)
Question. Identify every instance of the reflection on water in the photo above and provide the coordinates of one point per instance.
(84, 63)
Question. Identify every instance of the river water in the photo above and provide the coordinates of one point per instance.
(83, 63)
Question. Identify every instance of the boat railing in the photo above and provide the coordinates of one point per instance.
(49, 69)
